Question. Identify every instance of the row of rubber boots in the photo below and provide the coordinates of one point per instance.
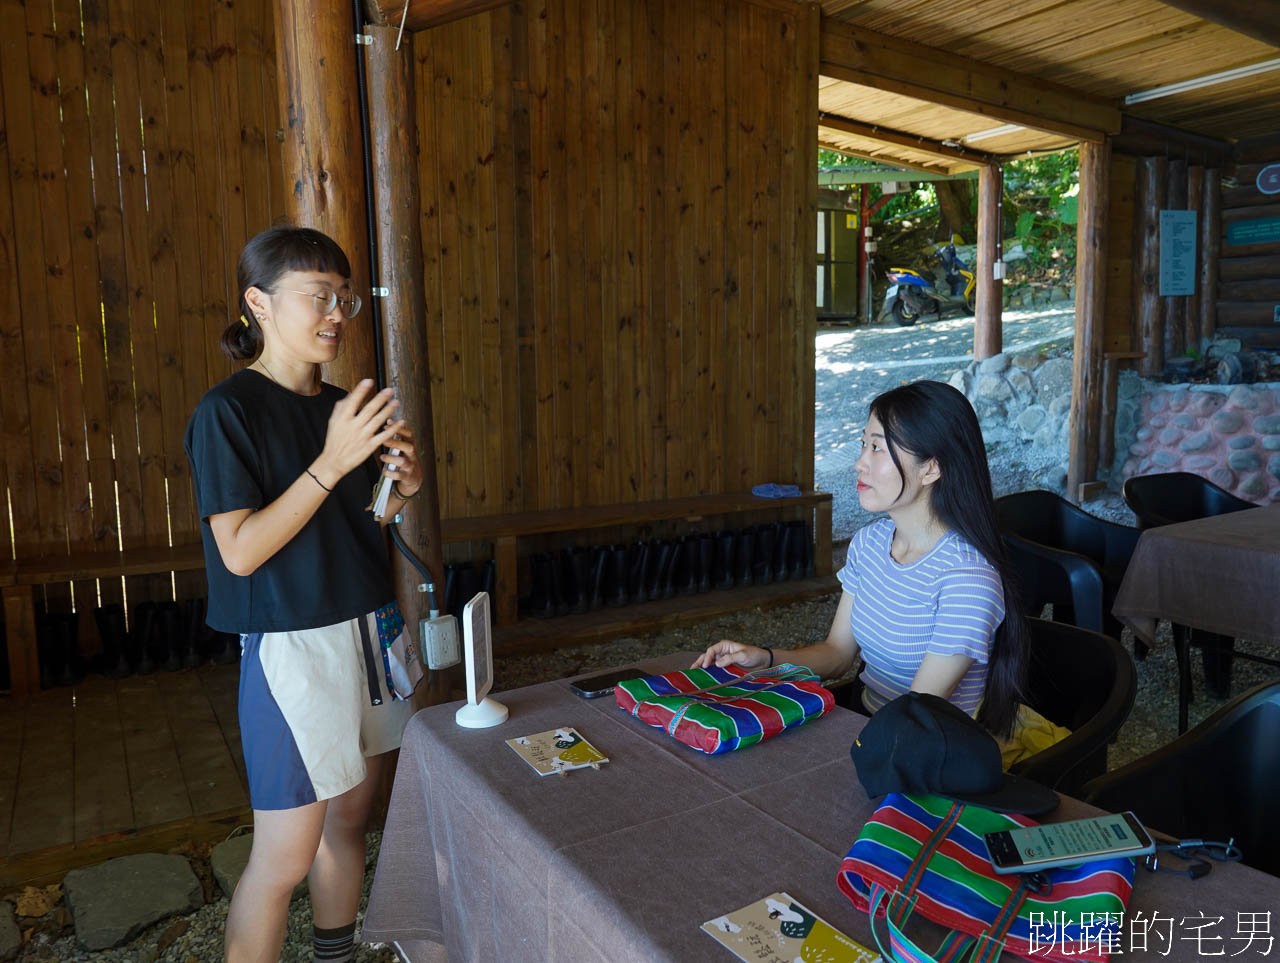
(462, 580)
(576, 580)
(164, 636)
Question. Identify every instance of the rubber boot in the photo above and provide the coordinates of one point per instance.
(722, 565)
(144, 626)
(193, 631)
(795, 548)
(168, 636)
(452, 604)
(806, 552)
(706, 551)
(113, 661)
(744, 556)
(540, 604)
(574, 578)
(488, 577)
(762, 560)
(781, 547)
(598, 568)
(666, 556)
(684, 580)
(619, 571)
(637, 570)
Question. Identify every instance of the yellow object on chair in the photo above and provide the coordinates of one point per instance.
(1032, 733)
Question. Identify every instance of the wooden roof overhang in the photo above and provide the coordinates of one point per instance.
(947, 85)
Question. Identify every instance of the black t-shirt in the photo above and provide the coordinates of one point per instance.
(248, 440)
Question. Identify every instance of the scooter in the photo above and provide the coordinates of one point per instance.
(911, 294)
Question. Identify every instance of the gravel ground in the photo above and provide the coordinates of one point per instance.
(853, 366)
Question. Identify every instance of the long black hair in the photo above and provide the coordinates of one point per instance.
(933, 420)
(267, 258)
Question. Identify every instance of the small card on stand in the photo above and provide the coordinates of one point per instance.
(557, 750)
(777, 929)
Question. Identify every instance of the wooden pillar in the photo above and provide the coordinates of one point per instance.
(1146, 283)
(323, 154)
(1091, 291)
(1210, 251)
(394, 129)
(987, 324)
(1175, 306)
(1195, 202)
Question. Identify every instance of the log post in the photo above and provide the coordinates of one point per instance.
(1175, 305)
(323, 154)
(1107, 433)
(1210, 251)
(1091, 296)
(1151, 178)
(394, 130)
(1195, 202)
(987, 323)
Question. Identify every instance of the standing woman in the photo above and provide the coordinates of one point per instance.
(283, 466)
(929, 600)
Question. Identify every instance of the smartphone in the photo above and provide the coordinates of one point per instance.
(603, 684)
(1068, 843)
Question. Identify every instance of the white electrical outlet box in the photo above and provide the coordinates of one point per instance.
(440, 646)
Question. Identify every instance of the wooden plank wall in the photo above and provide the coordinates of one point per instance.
(139, 155)
(618, 227)
(1249, 275)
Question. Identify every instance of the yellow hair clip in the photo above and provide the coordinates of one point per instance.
(244, 320)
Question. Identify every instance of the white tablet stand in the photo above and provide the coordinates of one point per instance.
(480, 712)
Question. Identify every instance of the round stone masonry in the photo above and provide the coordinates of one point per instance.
(1223, 433)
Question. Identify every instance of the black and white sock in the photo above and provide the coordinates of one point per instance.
(337, 945)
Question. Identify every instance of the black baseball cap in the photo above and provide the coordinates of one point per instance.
(920, 743)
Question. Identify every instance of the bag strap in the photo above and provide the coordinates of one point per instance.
(915, 872)
(955, 945)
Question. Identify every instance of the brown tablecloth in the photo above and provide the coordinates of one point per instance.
(1220, 574)
(626, 863)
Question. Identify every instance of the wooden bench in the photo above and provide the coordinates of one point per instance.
(504, 532)
(19, 581)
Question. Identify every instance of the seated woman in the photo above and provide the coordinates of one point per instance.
(928, 600)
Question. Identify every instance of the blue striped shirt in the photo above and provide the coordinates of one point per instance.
(948, 602)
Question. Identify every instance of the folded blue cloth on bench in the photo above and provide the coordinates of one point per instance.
(774, 490)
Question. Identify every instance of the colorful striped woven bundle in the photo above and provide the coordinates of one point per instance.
(925, 854)
(718, 710)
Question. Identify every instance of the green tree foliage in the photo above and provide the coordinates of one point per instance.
(1040, 210)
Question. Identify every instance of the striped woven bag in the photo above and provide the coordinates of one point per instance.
(718, 710)
(925, 854)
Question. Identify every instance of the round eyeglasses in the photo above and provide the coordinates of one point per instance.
(326, 301)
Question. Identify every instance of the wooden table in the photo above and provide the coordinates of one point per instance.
(625, 864)
(1219, 574)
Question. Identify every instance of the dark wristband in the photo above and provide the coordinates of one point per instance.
(770, 651)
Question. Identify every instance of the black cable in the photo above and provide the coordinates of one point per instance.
(1197, 853)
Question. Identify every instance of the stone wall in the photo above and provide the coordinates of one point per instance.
(1024, 397)
(1227, 434)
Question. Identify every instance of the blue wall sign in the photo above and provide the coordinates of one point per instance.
(1177, 252)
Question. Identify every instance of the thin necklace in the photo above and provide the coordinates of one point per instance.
(267, 372)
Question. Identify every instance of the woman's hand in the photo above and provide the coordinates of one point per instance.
(726, 652)
(357, 428)
(404, 467)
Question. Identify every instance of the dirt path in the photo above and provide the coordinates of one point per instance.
(853, 365)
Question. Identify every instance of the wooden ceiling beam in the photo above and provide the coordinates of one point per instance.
(1249, 17)
(881, 159)
(901, 138)
(862, 56)
(1146, 138)
(422, 14)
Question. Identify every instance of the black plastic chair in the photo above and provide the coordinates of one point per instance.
(1218, 781)
(1086, 682)
(1067, 558)
(1181, 496)
(1177, 496)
